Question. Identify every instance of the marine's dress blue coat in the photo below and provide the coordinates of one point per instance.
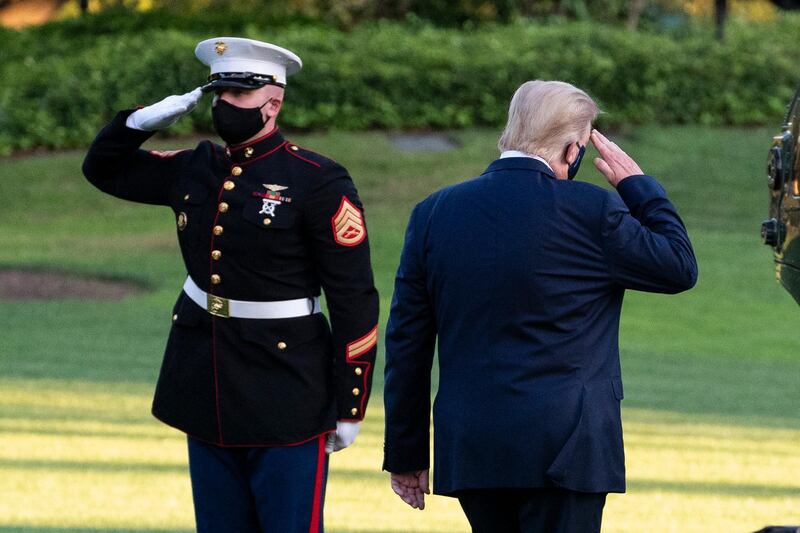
(520, 278)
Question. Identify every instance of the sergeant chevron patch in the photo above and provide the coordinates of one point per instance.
(359, 347)
(348, 224)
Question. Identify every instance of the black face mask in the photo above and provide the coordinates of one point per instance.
(237, 124)
(575, 165)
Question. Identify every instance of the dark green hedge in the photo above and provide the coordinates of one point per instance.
(57, 89)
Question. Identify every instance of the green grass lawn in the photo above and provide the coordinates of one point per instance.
(712, 377)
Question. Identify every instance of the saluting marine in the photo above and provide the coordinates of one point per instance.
(253, 373)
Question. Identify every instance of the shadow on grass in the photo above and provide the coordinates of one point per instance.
(96, 466)
(376, 476)
(149, 432)
(634, 485)
(744, 392)
(736, 490)
(52, 529)
(55, 529)
(750, 392)
(359, 474)
(693, 446)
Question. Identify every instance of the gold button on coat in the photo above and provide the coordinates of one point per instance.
(293, 147)
(218, 230)
(174, 318)
(354, 411)
(187, 196)
(236, 171)
(358, 371)
(216, 254)
(223, 207)
(281, 345)
(356, 391)
(248, 152)
(267, 221)
(229, 185)
(215, 279)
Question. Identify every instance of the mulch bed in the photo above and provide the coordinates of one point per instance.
(43, 285)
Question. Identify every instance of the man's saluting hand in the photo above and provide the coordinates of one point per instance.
(165, 113)
(613, 162)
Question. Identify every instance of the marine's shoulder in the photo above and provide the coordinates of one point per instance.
(306, 157)
(204, 148)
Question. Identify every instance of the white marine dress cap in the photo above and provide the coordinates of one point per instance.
(246, 63)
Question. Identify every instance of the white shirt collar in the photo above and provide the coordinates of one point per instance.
(517, 153)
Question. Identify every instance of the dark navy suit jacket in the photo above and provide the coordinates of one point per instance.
(520, 277)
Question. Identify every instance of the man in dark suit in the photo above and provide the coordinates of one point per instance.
(520, 274)
(263, 386)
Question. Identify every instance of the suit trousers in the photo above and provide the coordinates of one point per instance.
(258, 490)
(545, 510)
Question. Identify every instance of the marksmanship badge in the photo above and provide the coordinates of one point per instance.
(269, 207)
(272, 199)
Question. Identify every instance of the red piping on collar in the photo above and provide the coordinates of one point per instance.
(238, 147)
(262, 156)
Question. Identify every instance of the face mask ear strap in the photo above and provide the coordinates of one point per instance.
(262, 107)
(581, 150)
(575, 165)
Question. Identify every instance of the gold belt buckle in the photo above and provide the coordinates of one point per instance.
(217, 306)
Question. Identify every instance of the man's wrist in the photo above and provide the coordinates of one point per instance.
(131, 122)
(636, 190)
(126, 134)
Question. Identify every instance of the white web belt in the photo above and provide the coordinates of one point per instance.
(226, 307)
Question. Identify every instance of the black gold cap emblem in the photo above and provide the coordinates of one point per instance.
(220, 47)
(182, 221)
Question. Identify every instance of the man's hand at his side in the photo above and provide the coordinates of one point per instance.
(412, 487)
(613, 163)
(343, 437)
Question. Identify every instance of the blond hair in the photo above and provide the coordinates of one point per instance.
(546, 116)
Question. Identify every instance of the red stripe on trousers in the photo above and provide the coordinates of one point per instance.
(316, 505)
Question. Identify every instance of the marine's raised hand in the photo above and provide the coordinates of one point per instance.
(165, 113)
